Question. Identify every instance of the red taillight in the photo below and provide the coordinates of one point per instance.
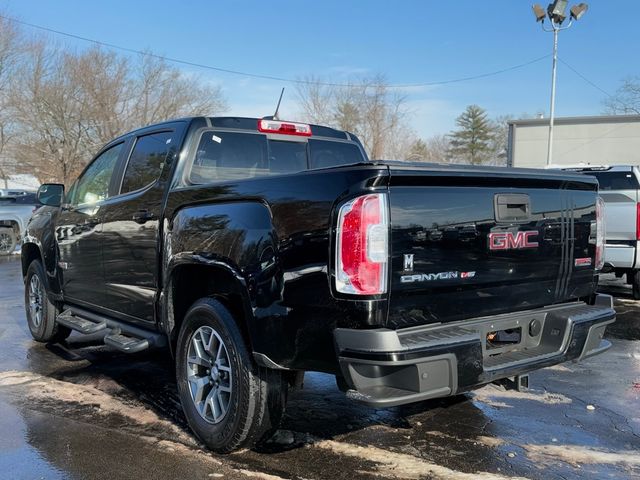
(361, 250)
(600, 226)
(285, 128)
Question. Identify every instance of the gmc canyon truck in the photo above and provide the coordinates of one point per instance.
(256, 249)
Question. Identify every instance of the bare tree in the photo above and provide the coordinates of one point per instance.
(66, 104)
(9, 51)
(106, 92)
(626, 100)
(366, 107)
(160, 91)
(500, 139)
(438, 147)
(316, 101)
(48, 108)
(399, 146)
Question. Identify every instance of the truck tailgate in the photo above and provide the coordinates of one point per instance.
(620, 212)
(478, 242)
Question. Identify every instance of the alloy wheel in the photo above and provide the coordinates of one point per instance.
(5, 242)
(209, 374)
(36, 300)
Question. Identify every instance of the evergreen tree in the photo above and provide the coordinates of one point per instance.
(473, 141)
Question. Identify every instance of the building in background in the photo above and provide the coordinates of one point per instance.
(604, 140)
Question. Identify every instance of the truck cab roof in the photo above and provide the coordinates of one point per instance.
(251, 124)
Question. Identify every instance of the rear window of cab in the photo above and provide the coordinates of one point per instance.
(225, 155)
(615, 180)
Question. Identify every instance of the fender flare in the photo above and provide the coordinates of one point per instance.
(233, 281)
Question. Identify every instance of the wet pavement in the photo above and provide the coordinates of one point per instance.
(83, 411)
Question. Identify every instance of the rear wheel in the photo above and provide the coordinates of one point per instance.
(229, 401)
(41, 312)
(8, 240)
(635, 284)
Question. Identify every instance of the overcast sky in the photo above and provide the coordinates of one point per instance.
(409, 42)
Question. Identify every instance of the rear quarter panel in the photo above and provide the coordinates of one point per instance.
(274, 235)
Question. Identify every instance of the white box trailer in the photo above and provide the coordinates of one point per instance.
(602, 140)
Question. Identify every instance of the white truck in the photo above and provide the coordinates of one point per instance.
(15, 212)
(620, 190)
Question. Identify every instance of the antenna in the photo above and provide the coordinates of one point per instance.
(275, 115)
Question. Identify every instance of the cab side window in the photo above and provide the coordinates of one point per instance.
(146, 161)
(229, 156)
(93, 185)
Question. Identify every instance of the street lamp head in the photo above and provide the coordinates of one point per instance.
(557, 11)
(577, 11)
(539, 12)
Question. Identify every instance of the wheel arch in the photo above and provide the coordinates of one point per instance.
(30, 252)
(13, 221)
(188, 282)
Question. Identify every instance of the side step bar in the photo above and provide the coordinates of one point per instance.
(121, 336)
(80, 324)
(125, 343)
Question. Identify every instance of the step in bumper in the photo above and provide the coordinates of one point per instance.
(384, 367)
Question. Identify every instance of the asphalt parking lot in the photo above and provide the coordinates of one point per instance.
(83, 411)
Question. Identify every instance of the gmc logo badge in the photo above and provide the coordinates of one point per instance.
(512, 241)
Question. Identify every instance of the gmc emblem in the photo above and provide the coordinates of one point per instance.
(512, 241)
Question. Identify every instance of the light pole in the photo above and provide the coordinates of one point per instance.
(556, 11)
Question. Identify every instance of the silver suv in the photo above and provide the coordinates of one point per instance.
(619, 188)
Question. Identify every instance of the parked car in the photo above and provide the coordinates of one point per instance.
(15, 212)
(256, 249)
(619, 188)
(4, 192)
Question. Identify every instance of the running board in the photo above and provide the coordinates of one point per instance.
(79, 324)
(124, 343)
(121, 335)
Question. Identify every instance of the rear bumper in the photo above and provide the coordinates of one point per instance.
(621, 256)
(384, 367)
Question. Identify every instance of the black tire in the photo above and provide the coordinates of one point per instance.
(635, 285)
(8, 240)
(257, 395)
(44, 327)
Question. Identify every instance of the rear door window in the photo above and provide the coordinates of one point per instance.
(615, 180)
(229, 156)
(146, 161)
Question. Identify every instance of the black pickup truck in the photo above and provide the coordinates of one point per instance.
(256, 249)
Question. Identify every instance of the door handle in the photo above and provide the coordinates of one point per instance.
(143, 216)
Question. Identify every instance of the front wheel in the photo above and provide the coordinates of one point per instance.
(229, 401)
(41, 312)
(8, 240)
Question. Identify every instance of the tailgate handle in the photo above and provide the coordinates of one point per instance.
(512, 207)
